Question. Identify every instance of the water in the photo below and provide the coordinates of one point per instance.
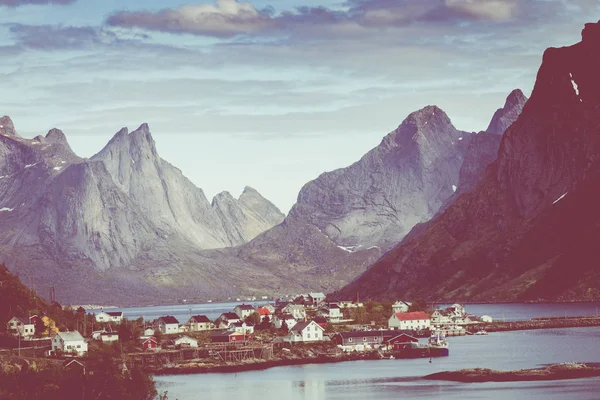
(392, 379)
(508, 312)
(181, 311)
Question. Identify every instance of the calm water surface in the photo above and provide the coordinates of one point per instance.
(508, 312)
(393, 379)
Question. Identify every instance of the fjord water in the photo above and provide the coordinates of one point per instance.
(393, 379)
(507, 312)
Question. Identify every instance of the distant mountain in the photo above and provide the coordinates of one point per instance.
(345, 219)
(76, 222)
(505, 116)
(529, 229)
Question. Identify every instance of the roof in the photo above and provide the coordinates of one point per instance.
(245, 307)
(230, 315)
(401, 302)
(317, 295)
(300, 326)
(264, 311)
(200, 318)
(294, 306)
(320, 320)
(169, 319)
(412, 316)
(285, 316)
(23, 320)
(184, 338)
(70, 336)
(151, 338)
(115, 313)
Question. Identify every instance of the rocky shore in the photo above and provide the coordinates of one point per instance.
(551, 372)
(537, 323)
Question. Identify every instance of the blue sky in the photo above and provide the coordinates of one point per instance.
(267, 94)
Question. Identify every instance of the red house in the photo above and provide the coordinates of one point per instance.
(229, 337)
(402, 341)
(150, 344)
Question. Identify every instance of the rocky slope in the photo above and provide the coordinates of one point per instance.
(120, 222)
(505, 116)
(529, 229)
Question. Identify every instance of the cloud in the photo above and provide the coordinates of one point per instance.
(50, 37)
(17, 3)
(230, 18)
(226, 18)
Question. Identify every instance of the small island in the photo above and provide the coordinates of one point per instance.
(548, 373)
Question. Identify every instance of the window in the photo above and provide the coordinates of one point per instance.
(78, 346)
(308, 335)
(364, 339)
(350, 340)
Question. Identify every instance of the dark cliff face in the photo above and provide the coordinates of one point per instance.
(527, 230)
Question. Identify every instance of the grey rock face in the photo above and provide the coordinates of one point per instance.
(505, 116)
(401, 182)
(123, 213)
(7, 127)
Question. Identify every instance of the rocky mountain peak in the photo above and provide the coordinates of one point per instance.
(505, 116)
(591, 33)
(221, 198)
(56, 136)
(7, 127)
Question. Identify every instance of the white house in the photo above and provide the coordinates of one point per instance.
(241, 327)
(149, 332)
(199, 323)
(21, 326)
(297, 310)
(69, 342)
(332, 312)
(401, 306)
(226, 319)
(417, 320)
(279, 319)
(440, 317)
(168, 324)
(316, 299)
(109, 337)
(306, 332)
(486, 318)
(110, 316)
(243, 310)
(185, 341)
(264, 313)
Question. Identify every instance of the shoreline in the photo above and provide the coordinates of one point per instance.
(537, 323)
(549, 373)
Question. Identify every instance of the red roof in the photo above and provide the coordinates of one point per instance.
(264, 311)
(412, 316)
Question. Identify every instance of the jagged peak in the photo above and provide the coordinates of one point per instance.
(591, 33)
(248, 190)
(514, 98)
(222, 197)
(7, 127)
(55, 135)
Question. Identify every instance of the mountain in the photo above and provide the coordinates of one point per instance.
(345, 219)
(529, 229)
(505, 116)
(111, 223)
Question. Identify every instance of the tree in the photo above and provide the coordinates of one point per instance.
(284, 328)
(253, 318)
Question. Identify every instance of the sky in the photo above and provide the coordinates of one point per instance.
(268, 94)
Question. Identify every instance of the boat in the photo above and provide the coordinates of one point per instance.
(481, 333)
(438, 346)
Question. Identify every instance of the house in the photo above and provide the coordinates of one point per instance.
(149, 332)
(168, 324)
(306, 332)
(264, 313)
(199, 323)
(112, 316)
(279, 319)
(269, 307)
(486, 318)
(315, 299)
(226, 319)
(150, 343)
(21, 326)
(417, 320)
(297, 310)
(243, 310)
(109, 337)
(241, 327)
(364, 340)
(69, 342)
(349, 304)
(401, 341)
(74, 365)
(332, 312)
(401, 306)
(440, 317)
(321, 321)
(185, 341)
(229, 337)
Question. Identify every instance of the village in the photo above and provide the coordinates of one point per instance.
(248, 332)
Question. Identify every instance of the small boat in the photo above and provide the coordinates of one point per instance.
(481, 333)
(438, 346)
